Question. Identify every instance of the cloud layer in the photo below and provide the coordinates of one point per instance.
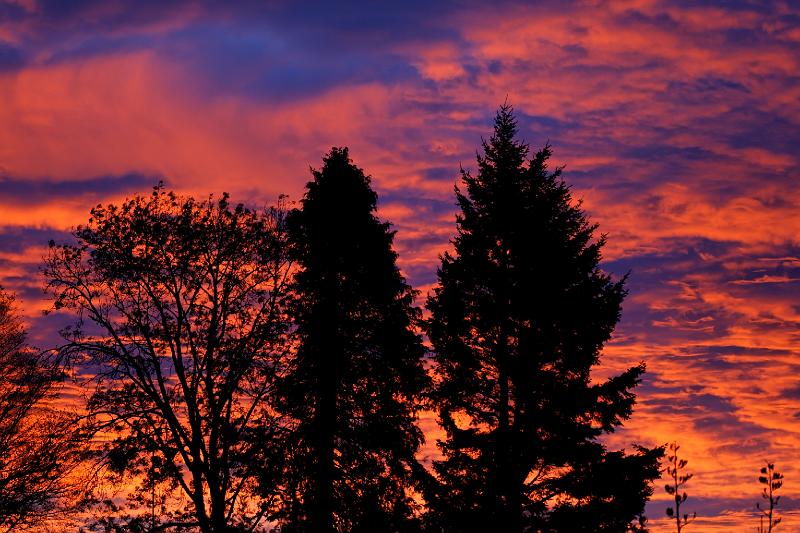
(678, 121)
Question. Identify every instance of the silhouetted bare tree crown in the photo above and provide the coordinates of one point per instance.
(179, 313)
(40, 446)
(518, 320)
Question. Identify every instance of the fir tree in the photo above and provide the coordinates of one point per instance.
(517, 323)
(355, 383)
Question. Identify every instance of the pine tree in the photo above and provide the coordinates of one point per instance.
(520, 315)
(355, 383)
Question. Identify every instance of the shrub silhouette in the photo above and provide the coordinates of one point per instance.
(771, 481)
(675, 466)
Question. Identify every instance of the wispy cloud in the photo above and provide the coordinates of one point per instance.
(678, 123)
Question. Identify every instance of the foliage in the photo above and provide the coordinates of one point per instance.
(40, 446)
(179, 307)
(517, 323)
(354, 386)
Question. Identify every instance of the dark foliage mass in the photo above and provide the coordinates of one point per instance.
(355, 383)
(518, 321)
(264, 370)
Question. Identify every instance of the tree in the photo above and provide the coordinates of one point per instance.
(354, 384)
(674, 467)
(771, 481)
(40, 446)
(180, 317)
(517, 323)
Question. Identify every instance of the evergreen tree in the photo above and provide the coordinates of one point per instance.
(517, 323)
(355, 384)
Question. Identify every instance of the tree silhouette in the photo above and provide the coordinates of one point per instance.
(179, 306)
(674, 467)
(39, 446)
(520, 315)
(771, 481)
(355, 383)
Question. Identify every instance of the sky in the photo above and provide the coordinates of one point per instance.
(678, 122)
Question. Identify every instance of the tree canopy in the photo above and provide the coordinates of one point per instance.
(518, 320)
(251, 369)
(355, 383)
(40, 445)
(180, 317)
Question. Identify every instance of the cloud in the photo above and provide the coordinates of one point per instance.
(11, 57)
(678, 123)
(34, 191)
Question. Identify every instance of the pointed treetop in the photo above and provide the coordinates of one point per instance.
(502, 149)
(505, 121)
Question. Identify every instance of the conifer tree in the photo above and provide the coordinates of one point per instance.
(355, 383)
(517, 323)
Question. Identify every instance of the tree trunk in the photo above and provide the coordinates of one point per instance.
(329, 358)
(219, 522)
(509, 510)
(322, 504)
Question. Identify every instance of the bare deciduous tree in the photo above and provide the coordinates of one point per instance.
(179, 306)
(39, 445)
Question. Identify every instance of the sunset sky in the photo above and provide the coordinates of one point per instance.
(678, 123)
